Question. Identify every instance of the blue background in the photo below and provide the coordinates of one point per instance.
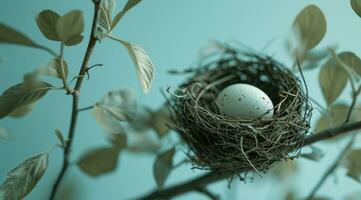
(172, 32)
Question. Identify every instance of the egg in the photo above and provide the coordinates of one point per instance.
(244, 101)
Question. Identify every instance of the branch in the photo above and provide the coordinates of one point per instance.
(208, 193)
(332, 132)
(331, 169)
(188, 186)
(85, 108)
(75, 95)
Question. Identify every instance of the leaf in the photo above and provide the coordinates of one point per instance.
(129, 5)
(143, 144)
(105, 18)
(107, 121)
(119, 141)
(142, 62)
(351, 60)
(60, 137)
(12, 36)
(3, 133)
(46, 21)
(161, 121)
(53, 68)
(311, 26)
(335, 118)
(21, 180)
(332, 79)
(121, 104)
(70, 26)
(99, 161)
(21, 95)
(284, 170)
(352, 162)
(356, 6)
(162, 166)
(22, 111)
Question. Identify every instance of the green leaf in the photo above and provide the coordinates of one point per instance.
(356, 6)
(12, 36)
(352, 162)
(106, 120)
(60, 137)
(311, 26)
(21, 180)
(284, 170)
(336, 117)
(120, 104)
(105, 18)
(99, 161)
(46, 21)
(74, 40)
(3, 133)
(129, 5)
(53, 68)
(21, 95)
(142, 62)
(332, 79)
(351, 60)
(161, 120)
(70, 26)
(119, 141)
(22, 111)
(163, 166)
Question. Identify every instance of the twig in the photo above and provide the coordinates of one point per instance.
(331, 169)
(191, 185)
(354, 98)
(208, 193)
(335, 164)
(332, 132)
(75, 95)
(85, 108)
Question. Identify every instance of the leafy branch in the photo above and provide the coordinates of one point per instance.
(75, 98)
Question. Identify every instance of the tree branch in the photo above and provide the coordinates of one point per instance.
(188, 186)
(331, 169)
(211, 177)
(208, 193)
(75, 95)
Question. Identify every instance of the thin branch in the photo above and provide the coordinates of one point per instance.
(354, 99)
(332, 132)
(85, 108)
(75, 95)
(188, 186)
(208, 193)
(331, 169)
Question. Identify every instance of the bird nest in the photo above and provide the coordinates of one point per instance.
(236, 145)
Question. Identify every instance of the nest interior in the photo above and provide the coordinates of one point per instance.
(235, 145)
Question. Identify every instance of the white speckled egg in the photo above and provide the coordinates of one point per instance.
(244, 101)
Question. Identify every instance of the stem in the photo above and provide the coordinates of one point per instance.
(62, 72)
(208, 193)
(75, 95)
(331, 169)
(192, 185)
(336, 163)
(85, 108)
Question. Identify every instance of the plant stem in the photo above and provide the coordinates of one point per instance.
(85, 108)
(331, 169)
(75, 95)
(192, 185)
(336, 163)
(46, 49)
